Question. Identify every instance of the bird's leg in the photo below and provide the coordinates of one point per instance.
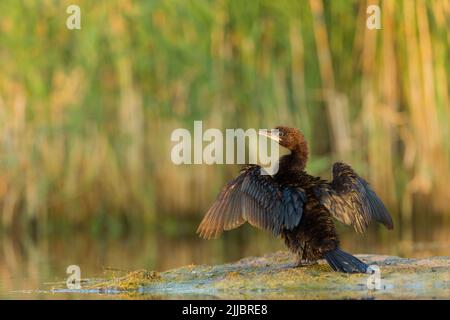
(304, 263)
(302, 260)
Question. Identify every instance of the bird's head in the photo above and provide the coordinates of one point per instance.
(290, 138)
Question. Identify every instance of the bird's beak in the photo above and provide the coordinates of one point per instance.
(271, 134)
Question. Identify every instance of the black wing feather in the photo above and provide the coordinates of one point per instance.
(257, 199)
(350, 199)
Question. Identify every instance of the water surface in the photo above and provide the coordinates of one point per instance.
(29, 266)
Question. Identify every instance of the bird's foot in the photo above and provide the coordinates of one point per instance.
(304, 263)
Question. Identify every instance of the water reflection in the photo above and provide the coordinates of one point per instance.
(27, 264)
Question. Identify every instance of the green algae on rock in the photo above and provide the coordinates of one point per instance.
(272, 277)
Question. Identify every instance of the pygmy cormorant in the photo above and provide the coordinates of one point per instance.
(298, 206)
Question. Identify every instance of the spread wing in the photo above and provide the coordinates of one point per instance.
(257, 199)
(350, 199)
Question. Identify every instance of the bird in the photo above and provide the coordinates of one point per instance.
(297, 206)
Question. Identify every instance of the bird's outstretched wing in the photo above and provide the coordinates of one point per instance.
(257, 199)
(350, 199)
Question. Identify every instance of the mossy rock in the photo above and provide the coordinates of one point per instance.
(273, 277)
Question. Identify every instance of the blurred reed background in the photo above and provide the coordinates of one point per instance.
(86, 115)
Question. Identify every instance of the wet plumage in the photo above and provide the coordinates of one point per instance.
(298, 206)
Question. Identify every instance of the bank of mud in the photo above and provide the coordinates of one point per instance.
(272, 277)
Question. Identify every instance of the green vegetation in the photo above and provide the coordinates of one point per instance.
(86, 115)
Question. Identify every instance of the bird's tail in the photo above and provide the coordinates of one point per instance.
(344, 262)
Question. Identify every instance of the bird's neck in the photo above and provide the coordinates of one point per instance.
(296, 160)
